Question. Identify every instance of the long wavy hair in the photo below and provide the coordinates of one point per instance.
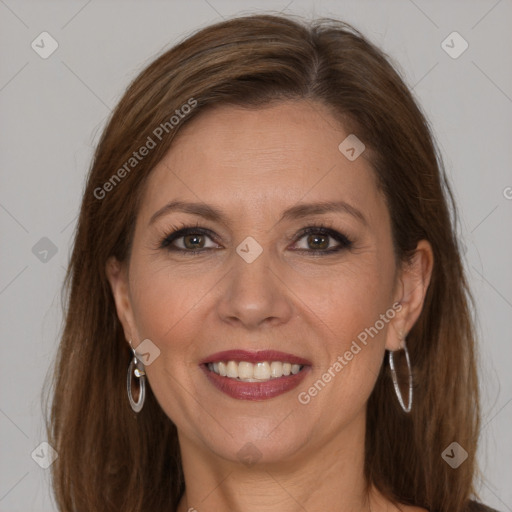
(111, 459)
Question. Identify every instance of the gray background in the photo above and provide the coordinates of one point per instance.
(52, 112)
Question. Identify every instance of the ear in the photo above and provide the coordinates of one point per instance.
(117, 275)
(412, 285)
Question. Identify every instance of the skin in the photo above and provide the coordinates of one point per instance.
(254, 164)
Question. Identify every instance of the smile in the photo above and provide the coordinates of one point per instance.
(254, 375)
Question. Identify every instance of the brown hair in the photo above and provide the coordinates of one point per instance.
(111, 459)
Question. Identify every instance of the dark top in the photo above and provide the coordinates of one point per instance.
(478, 507)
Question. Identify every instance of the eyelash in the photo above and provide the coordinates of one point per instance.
(182, 231)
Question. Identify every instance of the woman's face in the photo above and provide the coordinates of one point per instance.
(248, 278)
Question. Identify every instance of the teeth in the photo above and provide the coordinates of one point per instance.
(232, 370)
(245, 370)
(295, 368)
(276, 369)
(262, 371)
(259, 372)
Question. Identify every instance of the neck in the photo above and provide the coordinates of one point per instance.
(328, 475)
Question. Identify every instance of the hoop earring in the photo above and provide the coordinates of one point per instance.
(136, 368)
(407, 409)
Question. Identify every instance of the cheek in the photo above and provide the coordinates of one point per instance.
(352, 348)
(346, 298)
(166, 312)
(165, 300)
(350, 311)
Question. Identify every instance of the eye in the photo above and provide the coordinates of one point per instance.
(321, 240)
(189, 239)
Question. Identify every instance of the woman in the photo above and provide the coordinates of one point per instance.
(267, 307)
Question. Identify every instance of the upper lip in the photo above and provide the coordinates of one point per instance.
(254, 357)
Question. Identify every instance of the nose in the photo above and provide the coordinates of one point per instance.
(254, 296)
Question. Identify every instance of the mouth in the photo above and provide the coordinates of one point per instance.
(254, 375)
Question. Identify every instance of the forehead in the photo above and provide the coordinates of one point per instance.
(261, 160)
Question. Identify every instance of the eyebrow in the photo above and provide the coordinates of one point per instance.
(295, 212)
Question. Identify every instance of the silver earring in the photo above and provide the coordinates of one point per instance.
(407, 408)
(136, 368)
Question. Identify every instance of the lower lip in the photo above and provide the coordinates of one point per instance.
(255, 390)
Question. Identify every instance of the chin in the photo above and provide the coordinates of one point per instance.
(253, 448)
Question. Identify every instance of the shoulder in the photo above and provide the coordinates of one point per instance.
(474, 506)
